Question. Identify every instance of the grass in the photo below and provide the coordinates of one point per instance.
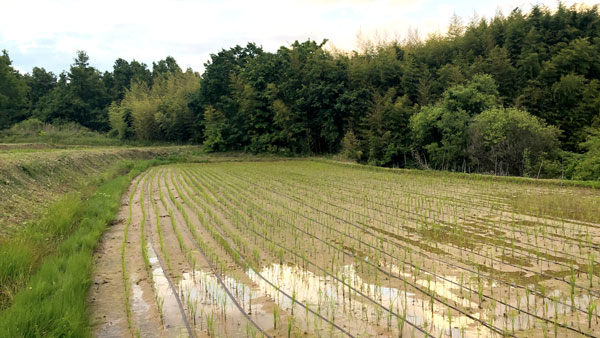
(31, 181)
(54, 301)
(328, 217)
(123, 246)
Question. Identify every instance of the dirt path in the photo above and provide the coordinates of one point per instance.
(107, 305)
(108, 299)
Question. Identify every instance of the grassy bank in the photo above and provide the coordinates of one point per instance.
(55, 256)
(32, 177)
(58, 203)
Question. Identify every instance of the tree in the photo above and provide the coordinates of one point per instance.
(79, 96)
(215, 124)
(385, 144)
(311, 84)
(216, 91)
(499, 66)
(40, 82)
(87, 96)
(124, 73)
(440, 131)
(351, 146)
(511, 141)
(164, 67)
(588, 167)
(173, 116)
(157, 113)
(456, 27)
(13, 93)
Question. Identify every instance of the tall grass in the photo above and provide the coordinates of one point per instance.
(54, 301)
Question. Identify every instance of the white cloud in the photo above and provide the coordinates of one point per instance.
(50, 31)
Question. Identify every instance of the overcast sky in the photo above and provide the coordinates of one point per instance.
(48, 33)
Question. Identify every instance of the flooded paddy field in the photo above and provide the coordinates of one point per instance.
(315, 249)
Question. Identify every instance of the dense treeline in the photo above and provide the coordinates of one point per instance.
(516, 94)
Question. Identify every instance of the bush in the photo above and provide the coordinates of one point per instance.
(588, 167)
(512, 141)
(351, 146)
(34, 130)
(30, 127)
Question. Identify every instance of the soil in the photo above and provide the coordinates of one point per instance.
(357, 248)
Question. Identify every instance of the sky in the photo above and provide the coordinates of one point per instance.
(49, 33)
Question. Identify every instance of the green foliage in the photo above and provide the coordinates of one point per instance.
(40, 83)
(35, 131)
(384, 145)
(13, 93)
(79, 96)
(440, 131)
(407, 103)
(124, 73)
(159, 112)
(511, 141)
(588, 167)
(54, 301)
(351, 146)
(215, 123)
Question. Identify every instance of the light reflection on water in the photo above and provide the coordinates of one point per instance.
(328, 297)
(203, 297)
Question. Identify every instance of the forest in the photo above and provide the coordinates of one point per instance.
(516, 94)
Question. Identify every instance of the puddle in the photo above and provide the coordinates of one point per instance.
(209, 308)
(359, 316)
(206, 301)
(138, 304)
(168, 307)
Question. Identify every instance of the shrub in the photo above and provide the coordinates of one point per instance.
(351, 146)
(511, 141)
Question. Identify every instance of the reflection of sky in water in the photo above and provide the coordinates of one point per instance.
(203, 291)
(325, 293)
(172, 318)
(327, 297)
(360, 314)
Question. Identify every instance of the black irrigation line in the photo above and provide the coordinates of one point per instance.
(247, 265)
(427, 197)
(342, 187)
(373, 177)
(300, 201)
(461, 202)
(217, 275)
(503, 200)
(160, 260)
(504, 226)
(388, 273)
(125, 275)
(338, 280)
(439, 260)
(520, 249)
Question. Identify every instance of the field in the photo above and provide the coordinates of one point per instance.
(315, 248)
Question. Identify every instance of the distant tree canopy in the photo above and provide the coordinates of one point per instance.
(13, 93)
(516, 94)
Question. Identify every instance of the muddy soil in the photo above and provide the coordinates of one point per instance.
(311, 249)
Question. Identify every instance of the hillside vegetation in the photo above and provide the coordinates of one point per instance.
(516, 94)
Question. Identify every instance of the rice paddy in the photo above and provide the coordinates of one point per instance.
(318, 249)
